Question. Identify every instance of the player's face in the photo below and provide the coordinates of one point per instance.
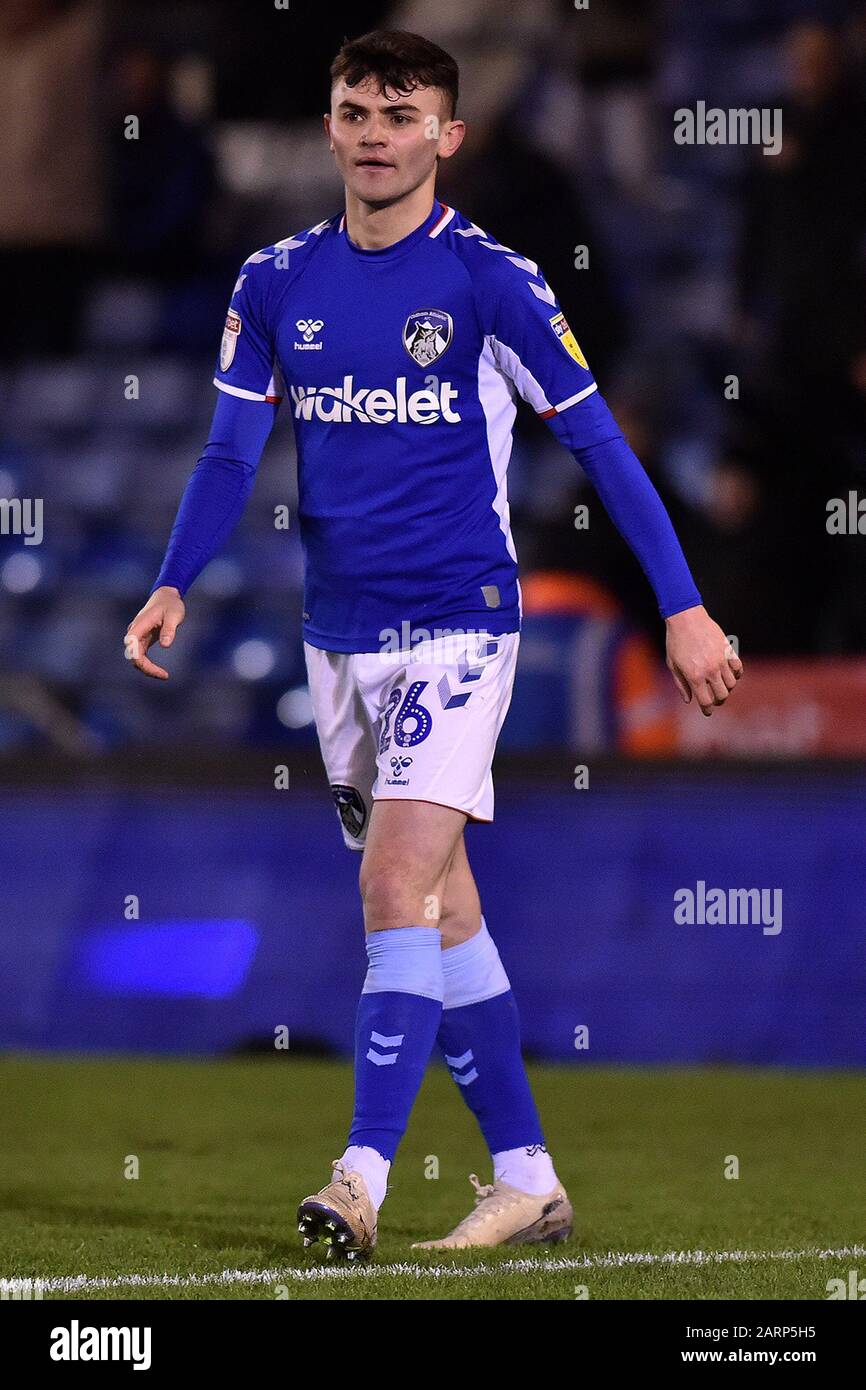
(385, 147)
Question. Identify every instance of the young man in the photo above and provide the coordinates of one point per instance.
(400, 331)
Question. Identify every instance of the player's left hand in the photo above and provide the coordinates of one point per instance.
(701, 659)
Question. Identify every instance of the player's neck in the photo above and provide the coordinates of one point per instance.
(374, 228)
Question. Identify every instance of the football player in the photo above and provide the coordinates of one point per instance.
(399, 334)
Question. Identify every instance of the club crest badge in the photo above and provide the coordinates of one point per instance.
(427, 334)
(350, 805)
(229, 343)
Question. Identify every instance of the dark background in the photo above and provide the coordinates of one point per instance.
(117, 259)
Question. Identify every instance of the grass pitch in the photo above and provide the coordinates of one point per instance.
(225, 1149)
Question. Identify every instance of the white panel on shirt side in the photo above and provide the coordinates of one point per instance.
(496, 396)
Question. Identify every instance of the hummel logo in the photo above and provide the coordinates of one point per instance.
(309, 328)
(398, 765)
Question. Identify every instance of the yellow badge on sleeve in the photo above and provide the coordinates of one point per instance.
(559, 324)
(229, 340)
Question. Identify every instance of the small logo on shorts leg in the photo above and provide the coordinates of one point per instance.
(350, 805)
(398, 765)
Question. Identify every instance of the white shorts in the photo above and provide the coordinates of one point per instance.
(417, 725)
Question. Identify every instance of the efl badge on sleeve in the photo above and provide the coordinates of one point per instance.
(426, 335)
(559, 324)
(229, 344)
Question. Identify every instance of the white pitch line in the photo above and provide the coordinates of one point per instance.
(82, 1283)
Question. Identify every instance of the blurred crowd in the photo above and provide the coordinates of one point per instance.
(718, 292)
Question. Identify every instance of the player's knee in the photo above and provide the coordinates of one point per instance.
(393, 897)
(384, 891)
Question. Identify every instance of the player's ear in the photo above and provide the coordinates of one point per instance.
(452, 138)
(326, 120)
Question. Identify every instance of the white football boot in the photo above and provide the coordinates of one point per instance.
(505, 1216)
(341, 1215)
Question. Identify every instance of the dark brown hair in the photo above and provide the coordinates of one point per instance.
(399, 62)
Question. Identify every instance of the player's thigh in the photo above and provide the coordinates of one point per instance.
(410, 846)
(442, 710)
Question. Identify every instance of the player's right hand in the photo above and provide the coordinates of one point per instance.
(162, 615)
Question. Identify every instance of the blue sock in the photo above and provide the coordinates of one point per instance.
(398, 1017)
(480, 1038)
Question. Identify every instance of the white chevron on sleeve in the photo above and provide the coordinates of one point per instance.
(545, 293)
(289, 243)
(522, 262)
(474, 230)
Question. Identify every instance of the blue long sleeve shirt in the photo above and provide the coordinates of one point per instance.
(401, 368)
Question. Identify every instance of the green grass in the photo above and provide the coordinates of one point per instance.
(227, 1148)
